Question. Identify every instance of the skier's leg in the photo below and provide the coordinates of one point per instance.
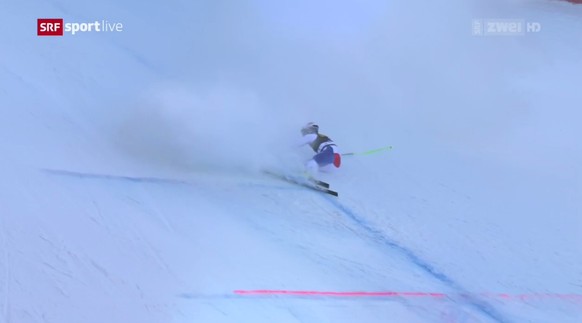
(327, 168)
(328, 160)
(325, 157)
(319, 161)
(311, 168)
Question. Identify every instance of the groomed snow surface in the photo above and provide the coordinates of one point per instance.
(130, 187)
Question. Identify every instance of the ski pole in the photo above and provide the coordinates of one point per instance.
(369, 152)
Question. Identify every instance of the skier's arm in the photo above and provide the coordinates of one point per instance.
(307, 139)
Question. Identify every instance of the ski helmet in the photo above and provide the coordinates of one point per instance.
(309, 128)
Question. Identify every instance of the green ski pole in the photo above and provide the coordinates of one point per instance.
(369, 152)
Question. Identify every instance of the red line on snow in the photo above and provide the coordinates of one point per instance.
(523, 297)
(337, 294)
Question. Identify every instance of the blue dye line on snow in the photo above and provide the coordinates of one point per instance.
(134, 179)
(480, 305)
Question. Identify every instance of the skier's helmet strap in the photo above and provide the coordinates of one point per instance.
(311, 127)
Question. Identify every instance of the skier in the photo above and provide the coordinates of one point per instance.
(327, 156)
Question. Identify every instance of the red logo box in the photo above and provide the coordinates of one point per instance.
(49, 27)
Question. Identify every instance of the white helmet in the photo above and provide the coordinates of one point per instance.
(310, 127)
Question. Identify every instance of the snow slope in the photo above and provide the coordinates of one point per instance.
(130, 190)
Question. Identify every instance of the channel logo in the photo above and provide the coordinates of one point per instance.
(57, 27)
(504, 27)
(49, 27)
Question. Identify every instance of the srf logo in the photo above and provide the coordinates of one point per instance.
(49, 27)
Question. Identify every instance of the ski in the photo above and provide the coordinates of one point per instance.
(319, 183)
(313, 184)
(322, 189)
